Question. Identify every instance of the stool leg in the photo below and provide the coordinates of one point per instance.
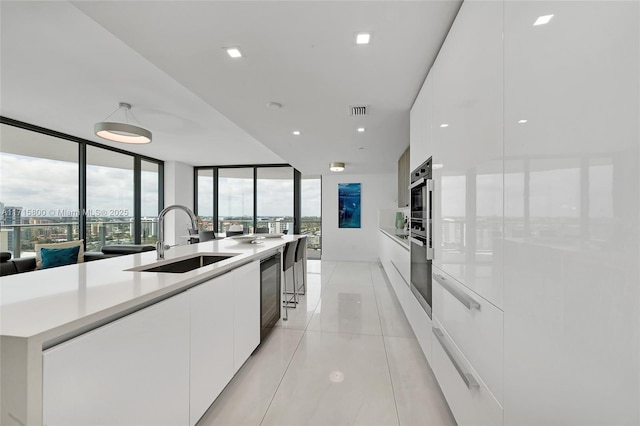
(293, 300)
(304, 287)
(293, 291)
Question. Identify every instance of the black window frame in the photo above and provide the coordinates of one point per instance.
(82, 175)
(297, 177)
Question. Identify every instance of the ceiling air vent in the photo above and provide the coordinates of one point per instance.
(358, 110)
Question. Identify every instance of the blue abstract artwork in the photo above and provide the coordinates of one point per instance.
(348, 205)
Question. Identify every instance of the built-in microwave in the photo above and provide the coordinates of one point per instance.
(421, 235)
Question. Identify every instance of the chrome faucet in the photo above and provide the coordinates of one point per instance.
(161, 247)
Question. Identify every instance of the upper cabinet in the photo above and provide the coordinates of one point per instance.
(404, 173)
(466, 146)
(572, 280)
(420, 125)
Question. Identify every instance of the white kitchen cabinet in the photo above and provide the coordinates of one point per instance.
(132, 371)
(211, 342)
(396, 262)
(475, 325)
(246, 312)
(420, 125)
(470, 400)
(383, 249)
(467, 150)
(572, 277)
(225, 330)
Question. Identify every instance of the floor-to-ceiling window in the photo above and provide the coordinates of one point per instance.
(311, 203)
(259, 198)
(38, 190)
(56, 187)
(109, 199)
(150, 201)
(235, 199)
(274, 199)
(204, 196)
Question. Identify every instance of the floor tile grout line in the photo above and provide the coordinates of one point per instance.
(384, 345)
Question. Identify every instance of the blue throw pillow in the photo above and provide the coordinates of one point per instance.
(59, 257)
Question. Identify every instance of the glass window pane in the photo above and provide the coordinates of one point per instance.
(235, 199)
(311, 199)
(38, 190)
(109, 198)
(205, 199)
(275, 199)
(149, 204)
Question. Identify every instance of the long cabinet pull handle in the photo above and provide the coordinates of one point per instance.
(467, 378)
(416, 241)
(429, 218)
(467, 301)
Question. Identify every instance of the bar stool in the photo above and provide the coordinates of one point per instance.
(301, 251)
(289, 258)
(206, 236)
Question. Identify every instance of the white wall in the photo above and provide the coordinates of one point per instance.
(178, 189)
(379, 191)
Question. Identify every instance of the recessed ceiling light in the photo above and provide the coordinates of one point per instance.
(363, 38)
(297, 132)
(522, 121)
(360, 129)
(234, 52)
(543, 20)
(444, 125)
(274, 105)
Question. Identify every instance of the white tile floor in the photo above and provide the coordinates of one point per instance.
(346, 356)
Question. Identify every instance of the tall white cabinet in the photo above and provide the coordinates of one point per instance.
(534, 132)
(571, 246)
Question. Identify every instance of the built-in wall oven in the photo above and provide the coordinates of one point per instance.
(421, 234)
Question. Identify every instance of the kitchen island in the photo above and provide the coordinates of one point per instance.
(46, 313)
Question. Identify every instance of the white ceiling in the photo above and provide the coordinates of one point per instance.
(65, 66)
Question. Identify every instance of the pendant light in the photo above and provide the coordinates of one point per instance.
(336, 167)
(122, 131)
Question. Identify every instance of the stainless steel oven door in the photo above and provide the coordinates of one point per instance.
(420, 272)
(418, 198)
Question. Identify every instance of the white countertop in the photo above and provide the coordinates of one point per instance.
(393, 233)
(51, 303)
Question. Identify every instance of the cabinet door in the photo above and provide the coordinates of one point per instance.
(572, 301)
(132, 371)
(468, 145)
(246, 314)
(420, 125)
(403, 179)
(211, 342)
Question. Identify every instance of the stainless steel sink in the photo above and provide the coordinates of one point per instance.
(185, 264)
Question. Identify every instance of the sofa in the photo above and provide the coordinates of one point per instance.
(9, 266)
